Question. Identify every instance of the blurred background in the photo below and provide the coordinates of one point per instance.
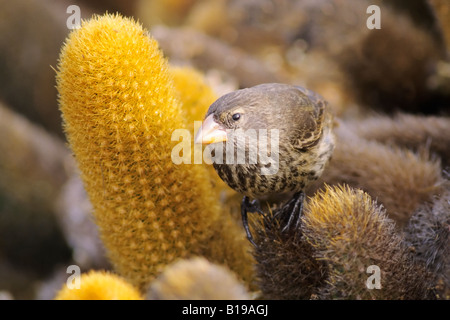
(323, 45)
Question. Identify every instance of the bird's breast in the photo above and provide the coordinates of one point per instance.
(292, 173)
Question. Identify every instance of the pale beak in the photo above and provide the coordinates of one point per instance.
(210, 132)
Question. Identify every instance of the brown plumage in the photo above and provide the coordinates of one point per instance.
(299, 140)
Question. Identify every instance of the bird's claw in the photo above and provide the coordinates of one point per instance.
(249, 206)
(292, 212)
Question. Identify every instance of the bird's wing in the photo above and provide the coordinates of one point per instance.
(309, 128)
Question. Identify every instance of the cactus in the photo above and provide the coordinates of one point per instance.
(366, 63)
(196, 96)
(196, 279)
(414, 132)
(400, 179)
(427, 235)
(119, 109)
(286, 266)
(100, 285)
(193, 92)
(350, 233)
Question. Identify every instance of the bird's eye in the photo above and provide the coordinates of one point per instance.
(236, 116)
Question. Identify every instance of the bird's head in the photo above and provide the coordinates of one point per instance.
(266, 106)
(230, 112)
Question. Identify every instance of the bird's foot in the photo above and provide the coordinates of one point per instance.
(249, 206)
(291, 213)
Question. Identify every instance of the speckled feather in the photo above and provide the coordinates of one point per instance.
(306, 140)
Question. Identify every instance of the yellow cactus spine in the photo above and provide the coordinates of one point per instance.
(193, 92)
(100, 285)
(119, 109)
(196, 96)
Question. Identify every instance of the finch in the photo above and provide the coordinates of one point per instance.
(269, 141)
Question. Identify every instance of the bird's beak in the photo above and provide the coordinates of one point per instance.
(210, 132)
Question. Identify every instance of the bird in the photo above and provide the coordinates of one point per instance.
(269, 141)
